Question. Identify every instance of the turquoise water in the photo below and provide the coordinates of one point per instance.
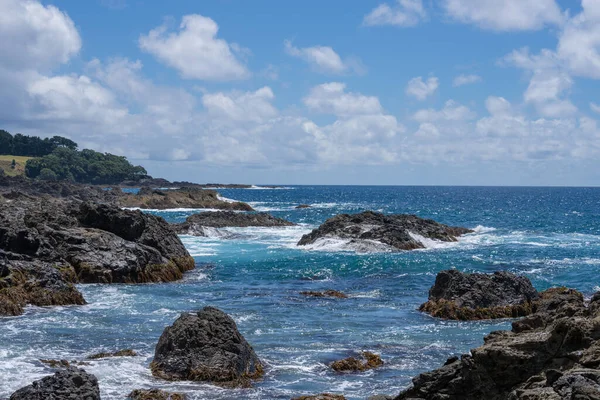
(551, 235)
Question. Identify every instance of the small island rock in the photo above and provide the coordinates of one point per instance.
(66, 384)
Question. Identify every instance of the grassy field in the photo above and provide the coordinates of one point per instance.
(6, 161)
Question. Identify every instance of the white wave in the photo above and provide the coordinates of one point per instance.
(361, 246)
(432, 243)
(173, 209)
(367, 295)
(225, 199)
(483, 229)
(255, 187)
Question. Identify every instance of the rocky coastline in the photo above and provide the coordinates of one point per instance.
(195, 224)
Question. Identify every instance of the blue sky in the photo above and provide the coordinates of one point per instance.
(468, 92)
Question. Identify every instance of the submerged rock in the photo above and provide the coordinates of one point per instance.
(550, 354)
(195, 224)
(322, 396)
(25, 281)
(92, 242)
(155, 394)
(301, 206)
(462, 296)
(206, 346)
(67, 384)
(396, 232)
(120, 353)
(185, 197)
(366, 362)
(326, 293)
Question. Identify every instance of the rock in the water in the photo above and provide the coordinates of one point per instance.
(206, 346)
(551, 354)
(462, 296)
(367, 361)
(155, 394)
(301, 206)
(120, 353)
(185, 197)
(25, 281)
(96, 242)
(67, 384)
(322, 396)
(326, 293)
(195, 224)
(396, 232)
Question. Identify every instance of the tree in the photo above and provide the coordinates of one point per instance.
(6, 140)
(47, 174)
(13, 164)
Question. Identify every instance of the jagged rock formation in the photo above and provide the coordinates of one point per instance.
(67, 384)
(186, 197)
(206, 346)
(551, 354)
(366, 361)
(155, 394)
(461, 296)
(327, 293)
(195, 224)
(120, 353)
(322, 396)
(396, 232)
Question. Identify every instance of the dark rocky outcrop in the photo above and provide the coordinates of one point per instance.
(327, 293)
(301, 206)
(26, 281)
(120, 353)
(66, 384)
(91, 242)
(397, 232)
(322, 396)
(185, 197)
(462, 296)
(551, 354)
(194, 224)
(155, 394)
(206, 346)
(366, 361)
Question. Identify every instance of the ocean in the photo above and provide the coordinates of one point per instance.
(551, 235)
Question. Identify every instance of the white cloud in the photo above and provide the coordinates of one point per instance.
(332, 98)
(452, 111)
(35, 36)
(239, 106)
(505, 15)
(195, 51)
(427, 131)
(406, 13)
(462, 80)
(324, 59)
(595, 107)
(422, 89)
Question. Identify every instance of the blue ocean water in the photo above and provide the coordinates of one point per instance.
(551, 235)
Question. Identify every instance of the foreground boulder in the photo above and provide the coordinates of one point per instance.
(186, 197)
(91, 242)
(67, 384)
(462, 296)
(395, 232)
(25, 281)
(551, 354)
(206, 346)
(195, 224)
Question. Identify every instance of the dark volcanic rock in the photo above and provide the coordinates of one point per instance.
(120, 353)
(206, 346)
(67, 384)
(301, 206)
(186, 197)
(155, 394)
(551, 354)
(366, 361)
(95, 242)
(457, 295)
(322, 396)
(326, 293)
(397, 232)
(25, 281)
(194, 224)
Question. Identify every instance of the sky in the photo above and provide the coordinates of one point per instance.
(396, 92)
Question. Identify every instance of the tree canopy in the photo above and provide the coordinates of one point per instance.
(85, 166)
(32, 146)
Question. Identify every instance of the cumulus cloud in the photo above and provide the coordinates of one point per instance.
(462, 80)
(404, 13)
(452, 111)
(324, 59)
(241, 106)
(35, 35)
(505, 15)
(332, 98)
(420, 89)
(595, 107)
(195, 51)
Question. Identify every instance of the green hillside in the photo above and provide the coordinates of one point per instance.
(6, 162)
